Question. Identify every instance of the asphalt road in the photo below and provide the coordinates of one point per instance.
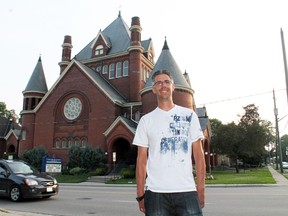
(102, 200)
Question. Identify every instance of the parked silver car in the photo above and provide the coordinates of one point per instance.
(285, 165)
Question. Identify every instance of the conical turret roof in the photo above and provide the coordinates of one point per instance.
(37, 81)
(167, 62)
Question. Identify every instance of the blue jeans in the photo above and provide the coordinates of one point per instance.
(168, 204)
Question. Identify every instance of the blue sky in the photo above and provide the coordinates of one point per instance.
(230, 48)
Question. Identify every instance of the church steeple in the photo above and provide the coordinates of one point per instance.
(37, 81)
(165, 47)
(183, 93)
(166, 61)
(36, 87)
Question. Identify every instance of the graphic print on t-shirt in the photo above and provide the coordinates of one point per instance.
(177, 140)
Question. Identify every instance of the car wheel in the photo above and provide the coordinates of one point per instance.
(15, 193)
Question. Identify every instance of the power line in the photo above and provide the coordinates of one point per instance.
(240, 97)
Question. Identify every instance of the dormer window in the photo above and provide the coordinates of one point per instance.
(99, 50)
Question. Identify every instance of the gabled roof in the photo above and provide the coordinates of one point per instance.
(3, 126)
(147, 44)
(96, 78)
(104, 85)
(202, 112)
(106, 40)
(167, 62)
(131, 125)
(117, 33)
(15, 132)
(6, 125)
(203, 118)
(37, 81)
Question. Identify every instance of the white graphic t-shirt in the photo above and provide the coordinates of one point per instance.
(169, 136)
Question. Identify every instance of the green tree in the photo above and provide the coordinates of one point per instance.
(4, 112)
(230, 139)
(257, 134)
(243, 141)
(215, 127)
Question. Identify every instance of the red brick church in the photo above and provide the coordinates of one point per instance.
(100, 95)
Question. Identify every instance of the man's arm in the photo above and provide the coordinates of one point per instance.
(200, 170)
(141, 174)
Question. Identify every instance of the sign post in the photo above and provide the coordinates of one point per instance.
(114, 160)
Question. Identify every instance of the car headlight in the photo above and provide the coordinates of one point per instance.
(55, 181)
(30, 182)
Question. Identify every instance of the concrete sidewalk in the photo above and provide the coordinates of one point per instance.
(279, 178)
(4, 212)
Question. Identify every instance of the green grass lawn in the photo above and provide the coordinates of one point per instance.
(71, 178)
(249, 176)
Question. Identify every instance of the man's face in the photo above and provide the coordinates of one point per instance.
(163, 87)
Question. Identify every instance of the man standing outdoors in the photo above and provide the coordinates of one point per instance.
(166, 139)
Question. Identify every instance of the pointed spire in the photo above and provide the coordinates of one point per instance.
(119, 14)
(165, 47)
(166, 61)
(37, 81)
(186, 75)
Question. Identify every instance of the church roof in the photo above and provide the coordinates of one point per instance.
(37, 81)
(203, 117)
(105, 86)
(117, 33)
(167, 62)
(131, 125)
(6, 125)
(146, 43)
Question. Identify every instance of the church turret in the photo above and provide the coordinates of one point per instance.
(135, 49)
(66, 53)
(183, 93)
(33, 94)
(36, 87)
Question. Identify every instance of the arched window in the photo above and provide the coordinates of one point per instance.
(70, 143)
(98, 69)
(105, 69)
(118, 69)
(112, 71)
(99, 50)
(57, 143)
(125, 68)
(83, 142)
(64, 143)
(144, 74)
(77, 142)
(137, 116)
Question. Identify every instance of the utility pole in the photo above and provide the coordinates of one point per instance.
(285, 61)
(286, 76)
(278, 141)
(276, 123)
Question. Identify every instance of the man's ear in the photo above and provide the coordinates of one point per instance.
(153, 90)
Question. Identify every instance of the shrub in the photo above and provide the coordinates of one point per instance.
(34, 157)
(76, 171)
(87, 158)
(100, 171)
(127, 173)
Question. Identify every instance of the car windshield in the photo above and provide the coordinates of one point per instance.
(18, 167)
